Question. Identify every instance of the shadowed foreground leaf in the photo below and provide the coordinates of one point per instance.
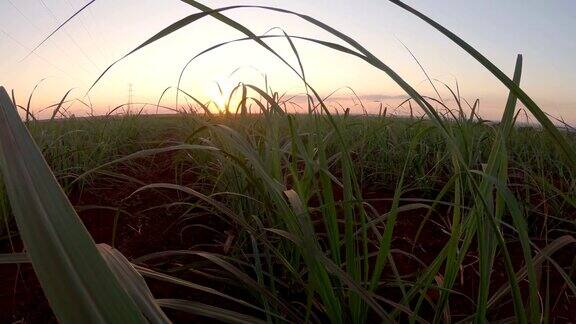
(63, 254)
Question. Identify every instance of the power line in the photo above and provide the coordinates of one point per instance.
(17, 42)
(38, 29)
(87, 31)
(23, 15)
(51, 13)
(130, 94)
(100, 34)
(59, 27)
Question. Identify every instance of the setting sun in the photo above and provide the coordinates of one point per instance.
(219, 92)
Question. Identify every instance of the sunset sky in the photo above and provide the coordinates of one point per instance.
(543, 31)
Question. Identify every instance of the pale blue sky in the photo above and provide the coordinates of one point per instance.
(544, 31)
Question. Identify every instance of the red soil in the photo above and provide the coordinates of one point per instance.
(141, 230)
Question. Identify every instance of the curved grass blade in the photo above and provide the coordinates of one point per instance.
(559, 140)
(227, 266)
(133, 283)
(14, 258)
(177, 281)
(57, 109)
(543, 255)
(221, 314)
(28, 112)
(161, 34)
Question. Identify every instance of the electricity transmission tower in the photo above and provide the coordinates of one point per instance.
(130, 95)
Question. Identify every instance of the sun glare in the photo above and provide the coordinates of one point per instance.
(219, 93)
